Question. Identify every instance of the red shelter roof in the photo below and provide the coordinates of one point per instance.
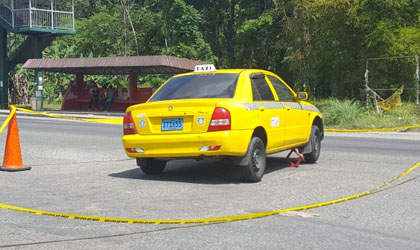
(140, 65)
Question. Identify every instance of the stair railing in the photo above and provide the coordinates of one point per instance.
(6, 12)
(36, 17)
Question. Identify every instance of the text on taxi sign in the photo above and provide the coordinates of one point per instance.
(204, 68)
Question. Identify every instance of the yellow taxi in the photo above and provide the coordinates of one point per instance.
(241, 115)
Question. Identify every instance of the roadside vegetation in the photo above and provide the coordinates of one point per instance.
(352, 114)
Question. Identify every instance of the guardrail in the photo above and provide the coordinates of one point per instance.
(40, 18)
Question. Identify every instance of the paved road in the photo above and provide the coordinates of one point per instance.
(81, 168)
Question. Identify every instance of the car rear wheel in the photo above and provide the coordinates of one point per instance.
(254, 170)
(315, 142)
(151, 166)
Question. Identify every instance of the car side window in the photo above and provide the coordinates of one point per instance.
(261, 91)
(283, 92)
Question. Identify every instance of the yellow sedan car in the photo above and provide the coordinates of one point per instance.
(240, 115)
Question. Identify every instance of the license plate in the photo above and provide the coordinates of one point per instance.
(172, 124)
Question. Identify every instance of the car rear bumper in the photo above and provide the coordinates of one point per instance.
(232, 142)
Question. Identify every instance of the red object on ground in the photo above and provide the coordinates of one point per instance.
(300, 158)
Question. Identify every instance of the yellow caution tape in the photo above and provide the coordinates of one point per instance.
(208, 220)
(97, 120)
(371, 130)
(6, 122)
(106, 120)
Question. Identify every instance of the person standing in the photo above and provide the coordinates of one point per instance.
(108, 99)
(94, 93)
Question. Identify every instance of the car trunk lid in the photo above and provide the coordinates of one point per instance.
(173, 117)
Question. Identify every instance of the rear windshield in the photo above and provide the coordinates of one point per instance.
(198, 86)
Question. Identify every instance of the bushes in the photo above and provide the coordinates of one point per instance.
(352, 114)
(340, 113)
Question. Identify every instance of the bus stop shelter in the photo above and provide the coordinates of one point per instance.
(77, 96)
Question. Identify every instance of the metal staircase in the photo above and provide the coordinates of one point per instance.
(34, 16)
(27, 27)
(21, 47)
(14, 41)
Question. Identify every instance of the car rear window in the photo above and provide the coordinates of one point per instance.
(198, 86)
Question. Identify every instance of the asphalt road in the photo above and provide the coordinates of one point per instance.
(80, 168)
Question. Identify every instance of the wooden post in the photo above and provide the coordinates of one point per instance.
(133, 86)
(417, 83)
(367, 83)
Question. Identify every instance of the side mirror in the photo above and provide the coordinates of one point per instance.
(302, 96)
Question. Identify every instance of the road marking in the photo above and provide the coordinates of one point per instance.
(300, 214)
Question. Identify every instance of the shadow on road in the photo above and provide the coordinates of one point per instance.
(201, 172)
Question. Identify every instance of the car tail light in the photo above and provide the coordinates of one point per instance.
(128, 124)
(220, 120)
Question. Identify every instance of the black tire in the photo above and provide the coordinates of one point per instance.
(315, 142)
(254, 171)
(151, 166)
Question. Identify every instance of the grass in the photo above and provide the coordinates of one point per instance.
(52, 106)
(350, 114)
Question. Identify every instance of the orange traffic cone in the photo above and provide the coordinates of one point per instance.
(12, 160)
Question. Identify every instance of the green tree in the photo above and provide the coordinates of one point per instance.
(106, 33)
(325, 51)
(317, 45)
(260, 38)
(331, 39)
(245, 33)
(184, 36)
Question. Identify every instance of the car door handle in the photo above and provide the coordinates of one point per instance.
(261, 108)
(288, 108)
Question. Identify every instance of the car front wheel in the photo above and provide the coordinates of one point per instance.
(151, 166)
(315, 142)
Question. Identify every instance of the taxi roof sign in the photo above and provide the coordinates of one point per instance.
(205, 68)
